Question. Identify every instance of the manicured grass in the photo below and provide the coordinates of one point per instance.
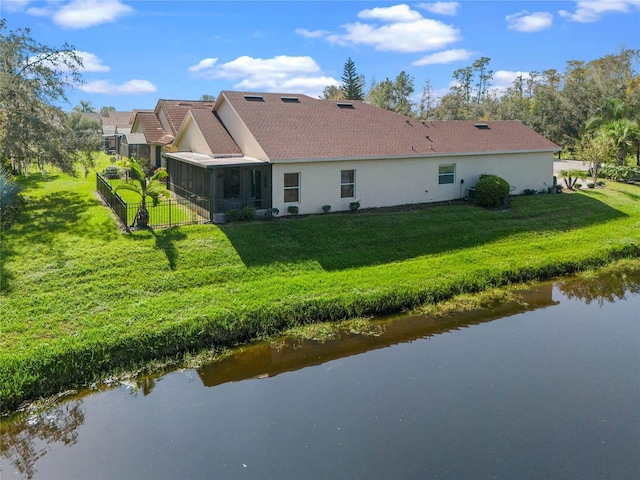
(167, 211)
(80, 299)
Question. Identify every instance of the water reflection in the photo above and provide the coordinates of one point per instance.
(270, 359)
(28, 437)
(604, 288)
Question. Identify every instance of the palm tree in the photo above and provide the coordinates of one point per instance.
(145, 187)
(611, 110)
(622, 135)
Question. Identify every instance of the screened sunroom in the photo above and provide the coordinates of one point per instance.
(220, 184)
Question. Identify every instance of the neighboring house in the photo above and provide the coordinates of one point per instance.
(278, 150)
(114, 125)
(133, 145)
(161, 125)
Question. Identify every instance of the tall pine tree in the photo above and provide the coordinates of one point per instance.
(352, 84)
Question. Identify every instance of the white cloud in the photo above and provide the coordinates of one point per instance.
(589, 11)
(447, 56)
(45, 11)
(417, 36)
(278, 74)
(91, 63)
(311, 33)
(441, 8)
(89, 13)
(529, 22)
(15, 5)
(397, 13)
(132, 87)
(306, 85)
(392, 29)
(503, 79)
(204, 64)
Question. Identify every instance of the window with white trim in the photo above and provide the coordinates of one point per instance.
(446, 174)
(291, 187)
(347, 184)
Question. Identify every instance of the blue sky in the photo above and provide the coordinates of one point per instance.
(136, 52)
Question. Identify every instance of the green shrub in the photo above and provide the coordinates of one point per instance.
(241, 214)
(292, 209)
(326, 208)
(491, 191)
(271, 213)
(619, 173)
(354, 206)
(111, 171)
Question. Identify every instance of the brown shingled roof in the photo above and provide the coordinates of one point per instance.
(152, 129)
(292, 127)
(215, 134)
(176, 110)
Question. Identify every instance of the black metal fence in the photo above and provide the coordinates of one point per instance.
(169, 213)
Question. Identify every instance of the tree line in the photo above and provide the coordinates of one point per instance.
(33, 130)
(589, 107)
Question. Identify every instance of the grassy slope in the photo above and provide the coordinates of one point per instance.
(80, 298)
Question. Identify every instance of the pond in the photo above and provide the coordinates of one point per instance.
(546, 387)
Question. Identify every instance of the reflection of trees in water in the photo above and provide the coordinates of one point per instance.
(603, 288)
(147, 384)
(20, 436)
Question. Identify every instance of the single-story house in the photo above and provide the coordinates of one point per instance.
(271, 150)
(114, 126)
(160, 125)
(133, 145)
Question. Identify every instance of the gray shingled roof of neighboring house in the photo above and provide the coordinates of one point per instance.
(135, 138)
(298, 127)
(215, 134)
(118, 119)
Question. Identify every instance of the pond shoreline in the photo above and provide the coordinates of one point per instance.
(82, 302)
(323, 331)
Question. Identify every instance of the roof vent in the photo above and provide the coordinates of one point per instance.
(481, 126)
(345, 105)
(254, 98)
(290, 99)
(182, 104)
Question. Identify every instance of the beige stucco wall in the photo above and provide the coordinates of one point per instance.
(164, 121)
(191, 138)
(390, 182)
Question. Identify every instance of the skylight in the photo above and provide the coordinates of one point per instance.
(290, 99)
(481, 126)
(345, 105)
(254, 98)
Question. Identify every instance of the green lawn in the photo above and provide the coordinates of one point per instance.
(80, 299)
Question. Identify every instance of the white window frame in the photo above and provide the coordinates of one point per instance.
(348, 184)
(295, 188)
(447, 174)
